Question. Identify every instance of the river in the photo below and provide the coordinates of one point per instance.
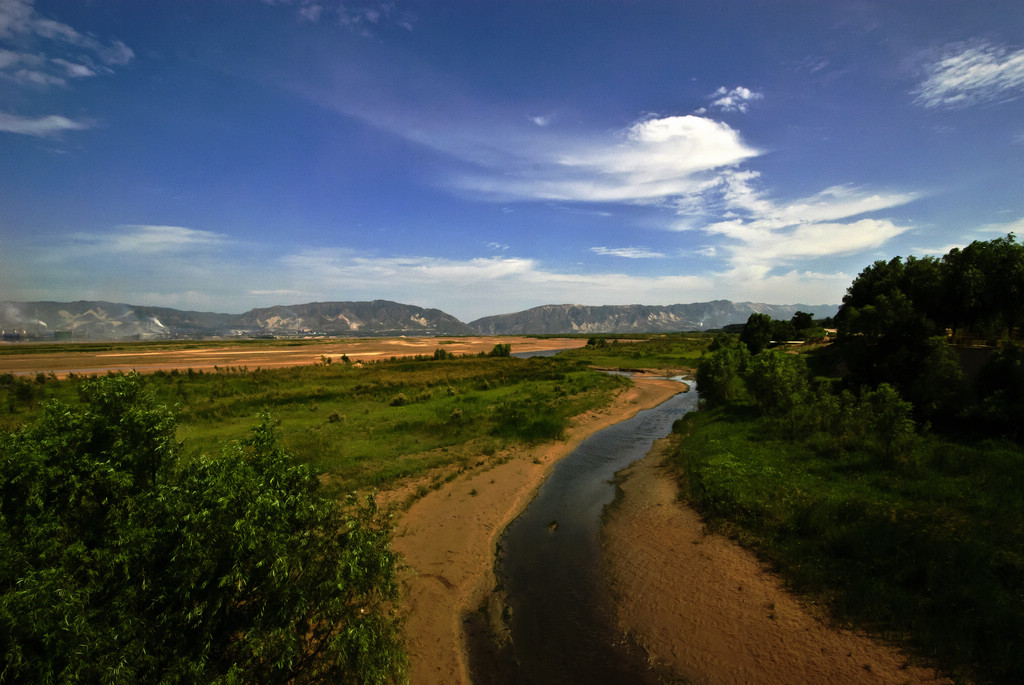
(549, 563)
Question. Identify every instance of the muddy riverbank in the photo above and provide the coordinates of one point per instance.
(448, 538)
(704, 608)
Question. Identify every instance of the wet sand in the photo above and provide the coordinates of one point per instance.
(706, 609)
(448, 538)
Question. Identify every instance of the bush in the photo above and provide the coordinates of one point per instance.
(720, 372)
(120, 562)
(501, 350)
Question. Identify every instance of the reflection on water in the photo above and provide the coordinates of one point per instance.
(550, 560)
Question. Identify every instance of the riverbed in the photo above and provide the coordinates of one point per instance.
(448, 538)
(549, 564)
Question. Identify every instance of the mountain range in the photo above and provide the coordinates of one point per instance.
(97, 320)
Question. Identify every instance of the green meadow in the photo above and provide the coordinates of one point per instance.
(665, 352)
(909, 530)
(929, 551)
(363, 425)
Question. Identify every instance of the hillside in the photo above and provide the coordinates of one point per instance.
(636, 318)
(98, 320)
(376, 318)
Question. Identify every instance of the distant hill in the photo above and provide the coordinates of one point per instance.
(377, 318)
(636, 318)
(97, 320)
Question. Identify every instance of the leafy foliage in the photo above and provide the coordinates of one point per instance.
(121, 562)
(720, 373)
(343, 419)
(898, 318)
(757, 332)
(890, 493)
(924, 547)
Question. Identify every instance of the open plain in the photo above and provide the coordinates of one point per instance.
(147, 358)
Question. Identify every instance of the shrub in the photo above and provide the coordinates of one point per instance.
(122, 562)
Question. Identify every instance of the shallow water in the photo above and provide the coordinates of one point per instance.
(550, 559)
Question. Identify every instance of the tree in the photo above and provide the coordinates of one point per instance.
(783, 330)
(777, 382)
(757, 332)
(891, 422)
(885, 337)
(984, 286)
(802, 321)
(122, 562)
(1000, 390)
(501, 350)
(720, 371)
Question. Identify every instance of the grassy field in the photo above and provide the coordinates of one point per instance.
(667, 352)
(364, 425)
(931, 550)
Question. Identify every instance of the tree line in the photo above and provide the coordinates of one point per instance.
(905, 330)
(883, 473)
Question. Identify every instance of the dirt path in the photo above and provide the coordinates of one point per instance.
(448, 538)
(705, 608)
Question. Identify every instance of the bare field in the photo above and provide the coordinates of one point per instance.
(206, 356)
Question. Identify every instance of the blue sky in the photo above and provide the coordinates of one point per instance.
(487, 157)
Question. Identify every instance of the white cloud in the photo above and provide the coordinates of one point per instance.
(150, 240)
(840, 202)
(357, 16)
(472, 288)
(1002, 229)
(311, 12)
(39, 126)
(737, 99)
(74, 70)
(972, 74)
(762, 235)
(54, 51)
(770, 247)
(692, 167)
(15, 17)
(180, 267)
(653, 160)
(627, 252)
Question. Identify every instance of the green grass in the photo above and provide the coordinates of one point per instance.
(930, 551)
(647, 351)
(365, 425)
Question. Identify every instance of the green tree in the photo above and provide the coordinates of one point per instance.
(121, 562)
(802, 321)
(778, 383)
(720, 371)
(887, 340)
(783, 330)
(501, 350)
(1000, 390)
(757, 332)
(983, 286)
(891, 422)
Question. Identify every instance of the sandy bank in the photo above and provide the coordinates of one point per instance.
(448, 538)
(705, 608)
(208, 356)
